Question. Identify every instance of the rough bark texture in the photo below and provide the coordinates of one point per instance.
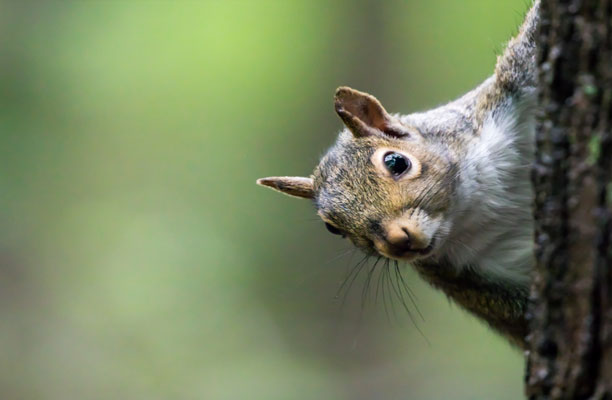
(571, 312)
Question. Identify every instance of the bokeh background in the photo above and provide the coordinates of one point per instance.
(139, 260)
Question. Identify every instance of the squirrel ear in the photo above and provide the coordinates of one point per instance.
(295, 186)
(364, 115)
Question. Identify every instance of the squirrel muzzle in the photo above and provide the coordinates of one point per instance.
(407, 237)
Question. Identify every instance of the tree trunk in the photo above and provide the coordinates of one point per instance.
(571, 313)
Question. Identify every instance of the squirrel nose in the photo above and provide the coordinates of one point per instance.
(399, 239)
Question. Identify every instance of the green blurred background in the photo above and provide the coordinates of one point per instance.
(139, 260)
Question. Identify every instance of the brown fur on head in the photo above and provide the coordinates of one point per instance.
(396, 216)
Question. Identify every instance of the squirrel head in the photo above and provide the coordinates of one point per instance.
(383, 184)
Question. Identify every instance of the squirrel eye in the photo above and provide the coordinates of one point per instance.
(396, 163)
(333, 229)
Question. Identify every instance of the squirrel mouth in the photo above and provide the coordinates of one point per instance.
(422, 252)
(410, 254)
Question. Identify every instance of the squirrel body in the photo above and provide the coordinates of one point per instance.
(447, 190)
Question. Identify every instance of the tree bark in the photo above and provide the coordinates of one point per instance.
(570, 316)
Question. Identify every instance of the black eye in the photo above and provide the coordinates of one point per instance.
(333, 229)
(396, 163)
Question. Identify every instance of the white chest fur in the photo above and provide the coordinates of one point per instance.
(492, 223)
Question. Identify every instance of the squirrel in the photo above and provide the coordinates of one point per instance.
(447, 190)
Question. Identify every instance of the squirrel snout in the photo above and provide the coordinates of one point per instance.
(399, 239)
(402, 239)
